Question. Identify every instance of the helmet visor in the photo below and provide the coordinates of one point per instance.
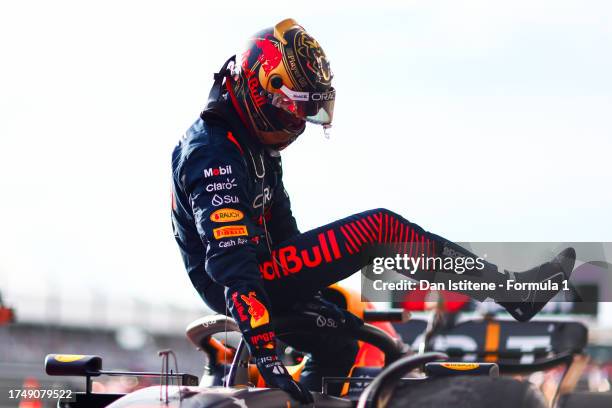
(314, 107)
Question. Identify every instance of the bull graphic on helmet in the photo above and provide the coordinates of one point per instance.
(278, 82)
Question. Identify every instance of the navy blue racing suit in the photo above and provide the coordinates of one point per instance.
(240, 243)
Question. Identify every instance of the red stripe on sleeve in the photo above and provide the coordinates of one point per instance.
(359, 232)
(412, 238)
(386, 227)
(371, 226)
(348, 238)
(348, 248)
(361, 225)
(355, 237)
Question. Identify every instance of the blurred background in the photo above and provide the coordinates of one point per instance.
(479, 120)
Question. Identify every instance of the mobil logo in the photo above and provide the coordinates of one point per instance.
(290, 259)
(218, 171)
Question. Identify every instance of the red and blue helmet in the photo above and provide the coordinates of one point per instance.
(281, 81)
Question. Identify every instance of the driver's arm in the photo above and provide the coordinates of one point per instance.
(216, 180)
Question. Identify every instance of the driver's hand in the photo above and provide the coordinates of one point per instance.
(275, 374)
(329, 310)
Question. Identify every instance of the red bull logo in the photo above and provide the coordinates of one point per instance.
(257, 310)
(257, 98)
(270, 56)
(239, 307)
(292, 260)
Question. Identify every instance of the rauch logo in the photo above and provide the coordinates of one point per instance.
(226, 215)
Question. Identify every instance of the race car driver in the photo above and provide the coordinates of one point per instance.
(232, 216)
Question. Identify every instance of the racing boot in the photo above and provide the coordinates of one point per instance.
(523, 304)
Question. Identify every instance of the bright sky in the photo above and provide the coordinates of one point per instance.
(479, 120)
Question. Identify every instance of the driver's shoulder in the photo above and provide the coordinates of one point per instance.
(206, 142)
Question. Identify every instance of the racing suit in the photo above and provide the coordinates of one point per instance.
(229, 208)
(241, 246)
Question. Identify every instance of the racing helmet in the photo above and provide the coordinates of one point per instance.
(281, 81)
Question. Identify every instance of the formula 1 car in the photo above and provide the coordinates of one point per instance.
(388, 373)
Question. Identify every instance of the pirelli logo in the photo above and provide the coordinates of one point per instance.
(226, 215)
(230, 231)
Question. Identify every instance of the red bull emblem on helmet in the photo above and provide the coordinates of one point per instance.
(270, 56)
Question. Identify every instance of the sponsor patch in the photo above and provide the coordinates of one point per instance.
(230, 242)
(218, 200)
(226, 215)
(218, 171)
(262, 338)
(230, 231)
(257, 310)
(290, 259)
(262, 198)
(228, 184)
(239, 307)
(326, 322)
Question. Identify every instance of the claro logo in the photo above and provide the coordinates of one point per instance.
(218, 171)
(224, 185)
(226, 215)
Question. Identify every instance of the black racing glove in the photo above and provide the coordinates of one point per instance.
(275, 374)
(328, 314)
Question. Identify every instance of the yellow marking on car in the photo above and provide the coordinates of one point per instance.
(460, 366)
(68, 358)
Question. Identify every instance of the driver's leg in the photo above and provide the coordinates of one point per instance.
(309, 262)
(313, 260)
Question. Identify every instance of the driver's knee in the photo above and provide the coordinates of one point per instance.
(385, 213)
